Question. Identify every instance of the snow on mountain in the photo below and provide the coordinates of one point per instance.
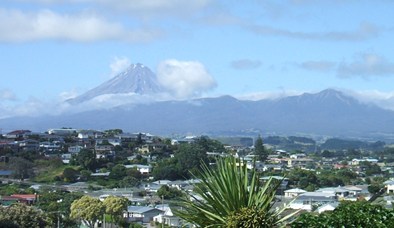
(137, 79)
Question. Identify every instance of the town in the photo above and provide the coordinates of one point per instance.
(137, 179)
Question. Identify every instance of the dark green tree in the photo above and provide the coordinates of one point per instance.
(259, 149)
(168, 192)
(22, 168)
(86, 158)
(69, 174)
(118, 172)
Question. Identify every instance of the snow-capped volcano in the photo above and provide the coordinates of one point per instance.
(137, 78)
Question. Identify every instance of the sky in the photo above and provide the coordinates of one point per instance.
(52, 50)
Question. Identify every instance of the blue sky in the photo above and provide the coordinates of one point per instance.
(52, 50)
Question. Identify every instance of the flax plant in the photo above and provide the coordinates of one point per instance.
(230, 195)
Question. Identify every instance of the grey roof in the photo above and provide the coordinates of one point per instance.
(141, 209)
(316, 196)
(5, 172)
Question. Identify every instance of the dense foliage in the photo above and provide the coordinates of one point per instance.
(311, 180)
(21, 215)
(187, 158)
(88, 209)
(352, 214)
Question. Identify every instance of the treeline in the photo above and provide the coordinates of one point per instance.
(296, 143)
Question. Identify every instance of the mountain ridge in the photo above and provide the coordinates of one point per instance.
(328, 113)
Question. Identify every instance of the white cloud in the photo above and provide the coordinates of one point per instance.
(119, 64)
(142, 8)
(63, 96)
(184, 79)
(270, 95)
(382, 99)
(363, 32)
(366, 65)
(19, 26)
(7, 95)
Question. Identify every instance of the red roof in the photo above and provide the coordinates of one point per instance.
(25, 196)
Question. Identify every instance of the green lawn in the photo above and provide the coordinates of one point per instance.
(48, 175)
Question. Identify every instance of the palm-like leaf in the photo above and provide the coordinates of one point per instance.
(226, 191)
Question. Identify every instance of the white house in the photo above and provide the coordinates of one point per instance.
(389, 186)
(167, 218)
(141, 214)
(143, 169)
(294, 192)
(308, 200)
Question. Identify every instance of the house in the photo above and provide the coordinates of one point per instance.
(17, 134)
(5, 173)
(297, 156)
(156, 185)
(74, 149)
(178, 184)
(167, 218)
(141, 214)
(62, 131)
(339, 191)
(101, 175)
(283, 182)
(353, 190)
(299, 162)
(29, 145)
(309, 200)
(104, 151)
(86, 134)
(370, 160)
(26, 198)
(389, 185)
(49, 146)
(327, 207)
(143, 169)
(66, 158)
(294, 192)
(281, 152)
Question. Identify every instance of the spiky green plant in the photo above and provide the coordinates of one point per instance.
(226, 194)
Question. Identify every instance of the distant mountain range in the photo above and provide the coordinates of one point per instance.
(327, 113)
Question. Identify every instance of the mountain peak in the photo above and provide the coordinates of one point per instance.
(137, 78)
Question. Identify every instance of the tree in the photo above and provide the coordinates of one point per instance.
(88, 209)
(118, 172)
(86, 158)
(231, 197)
(70, 174)
(85, 175)
(115, 206)
(21, 215)
(22, 168)
(259, 149)
(350, 214)
(57, 205)
(168, 192)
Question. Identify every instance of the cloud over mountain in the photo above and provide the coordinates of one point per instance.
(184, 79)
